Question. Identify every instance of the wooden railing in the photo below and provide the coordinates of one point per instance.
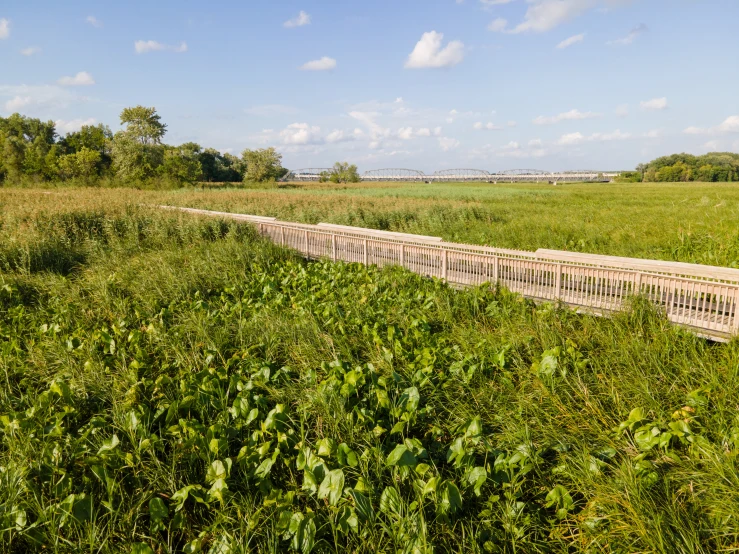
(702, 298)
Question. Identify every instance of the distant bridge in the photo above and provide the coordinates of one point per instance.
(464, 175)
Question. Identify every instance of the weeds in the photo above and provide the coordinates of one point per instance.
(187, 387)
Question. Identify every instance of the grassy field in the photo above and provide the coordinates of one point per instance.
(175, 385)
(694, 222)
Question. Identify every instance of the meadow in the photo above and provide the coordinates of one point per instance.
(170, 384)
(695, 222)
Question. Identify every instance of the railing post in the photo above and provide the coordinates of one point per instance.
(444, 263)
(365, 251)
(637, 285)
(306, 242)
(282, 236)
(402, 254)
(558, 295)
(735, 326)
(333, 247)
(496, 269)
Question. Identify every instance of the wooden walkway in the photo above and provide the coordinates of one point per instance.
(705, 299)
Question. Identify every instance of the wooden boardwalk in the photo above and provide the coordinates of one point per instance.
(704, 299)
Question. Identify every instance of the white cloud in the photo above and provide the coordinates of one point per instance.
(654, 104)
(437, 131)
(270, 110)
(511, 123)
(72, 125)
(94, 21)
(300, 133)
(335, 136)
(571, 115)
(423, 132)
(570, 41)
(429, 53)
(49, 96)
(31, 50)
(144, 46)
(447, 144)
(489, 126)
(4, 28)
(324, 64)
(298, 21)
(571, 139)
(405, 133)
(622, 110)
(82, 79)
(653, 134)
(729, 125)
(376, 131)
(631, 37)
(535, 142)
(498, 25)
(494, 2)
(544, 15)
(712, 145)
(17, 102)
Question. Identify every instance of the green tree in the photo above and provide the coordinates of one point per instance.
(27, 148)
(93, 137)
(264, 164)
(219, 167)
(137, 152)
(181, 164)
(143, 124)
(80, 165)
(342, 172)
(133, 160)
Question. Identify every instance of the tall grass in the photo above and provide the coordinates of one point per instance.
(171, 385)
(693, 222)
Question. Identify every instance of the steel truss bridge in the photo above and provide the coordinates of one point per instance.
(463, 175)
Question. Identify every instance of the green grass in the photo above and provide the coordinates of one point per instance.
(177, 385)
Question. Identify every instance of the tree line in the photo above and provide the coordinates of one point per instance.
(712, 167)
(32, 151)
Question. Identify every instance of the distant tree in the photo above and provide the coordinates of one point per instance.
(342, 172)
(133, 160)
(27, 148)
(82, 164)
(181, 164)
(219, 167)
(264, 164)
(93, 137)
(143, 124)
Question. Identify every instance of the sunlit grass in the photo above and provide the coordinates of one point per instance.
(169, 384)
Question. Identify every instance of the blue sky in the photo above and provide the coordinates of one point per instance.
(424, 84)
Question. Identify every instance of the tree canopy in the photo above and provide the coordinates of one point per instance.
(31, 150)
(713, 167)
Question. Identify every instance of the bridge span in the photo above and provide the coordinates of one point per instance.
(463, 175)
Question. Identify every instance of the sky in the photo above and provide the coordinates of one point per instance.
(421, 84)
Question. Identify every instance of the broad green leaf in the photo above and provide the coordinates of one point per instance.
(390, 502)
(332, 486)
(476, 478)
(401, 456)
(109, 444)
(158, 513)
(450, 498)
(326, 447)
(363, 506)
